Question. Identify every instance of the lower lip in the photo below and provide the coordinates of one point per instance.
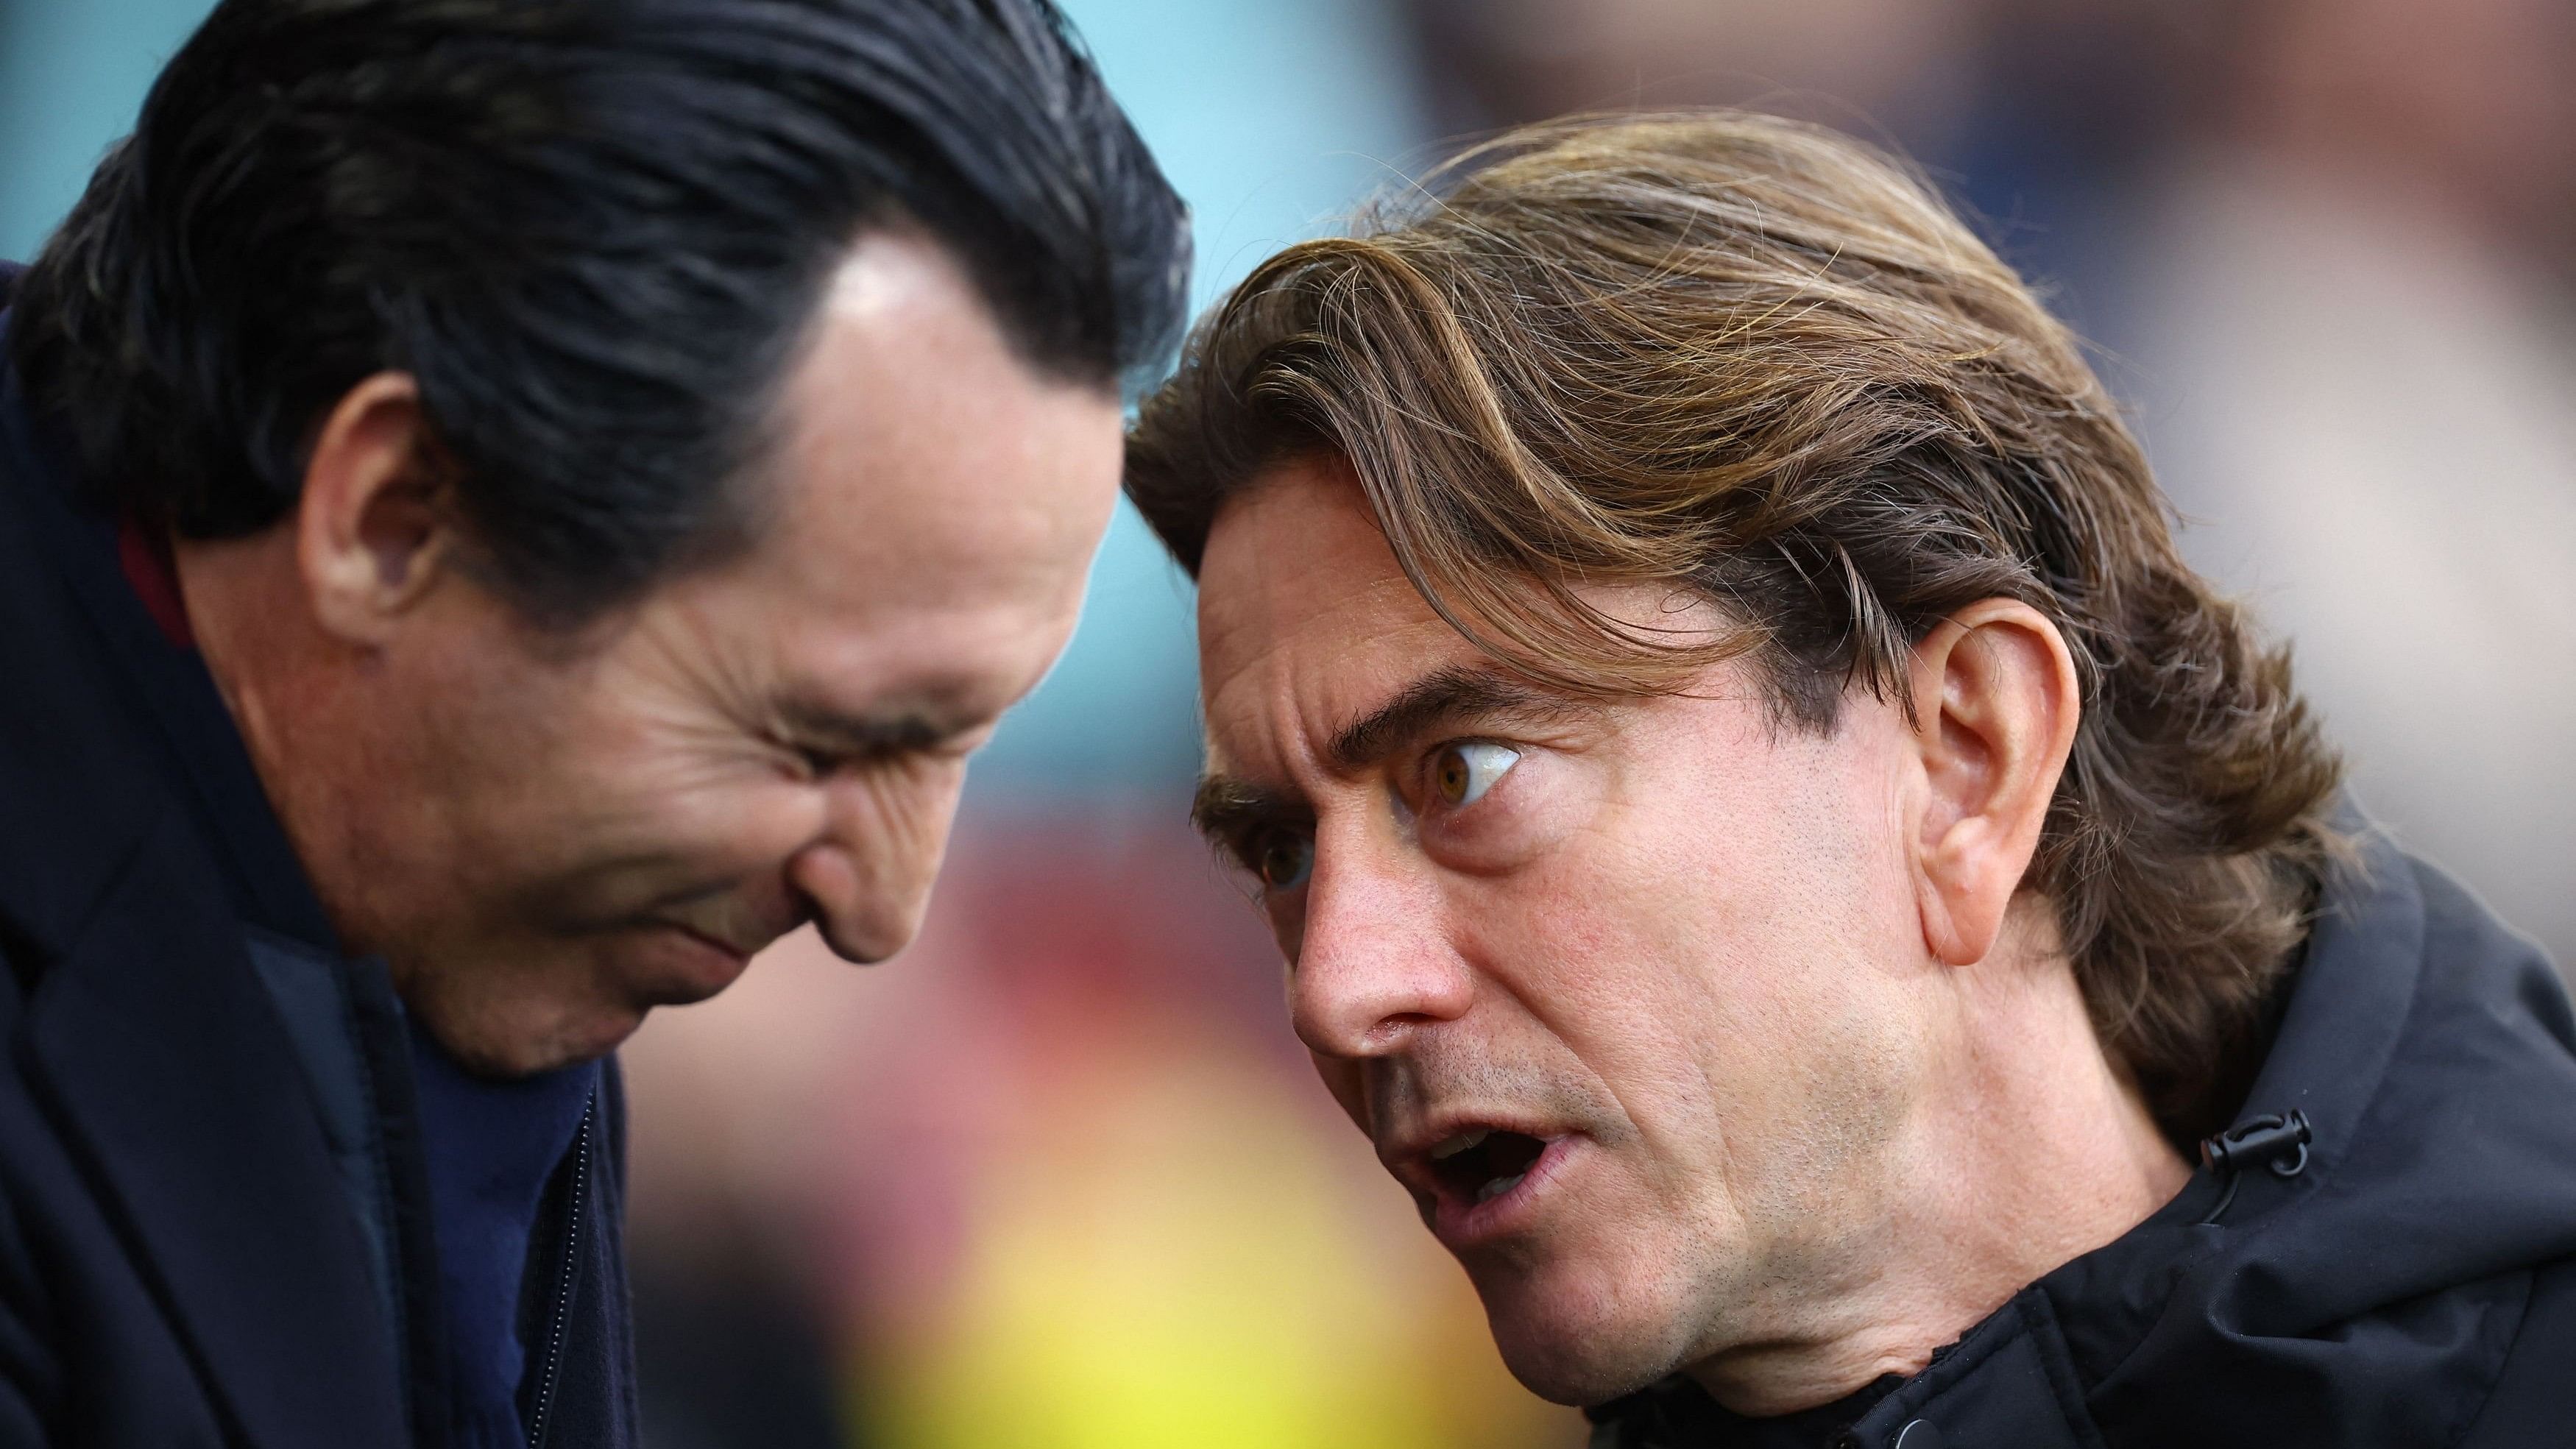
(1462, 1222)
(713, 965)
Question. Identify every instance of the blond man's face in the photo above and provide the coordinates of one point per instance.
(1625, 994)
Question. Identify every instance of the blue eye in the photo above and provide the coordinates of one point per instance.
(1462, 773)
(1282, 859)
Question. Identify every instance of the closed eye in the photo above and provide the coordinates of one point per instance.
(827, 742)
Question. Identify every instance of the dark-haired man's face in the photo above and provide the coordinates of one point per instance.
(1629, 995)
(548, 836)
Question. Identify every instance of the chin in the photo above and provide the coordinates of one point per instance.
(508, 1049)
(591, 1036)
(500, 1032)
(1585, 1333)
(531, 1007)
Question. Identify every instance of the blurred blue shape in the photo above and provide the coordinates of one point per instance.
(1272, 118)
(72, 76)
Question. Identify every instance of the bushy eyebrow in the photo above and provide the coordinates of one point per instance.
(1458, 692)
(1226, 808)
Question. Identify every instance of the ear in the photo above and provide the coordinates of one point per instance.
(376, 524)
(1996, 704)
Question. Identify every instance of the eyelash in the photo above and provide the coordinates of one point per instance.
(816, 763)
(1251, 848)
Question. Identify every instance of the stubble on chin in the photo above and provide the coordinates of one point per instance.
(1647, 1279)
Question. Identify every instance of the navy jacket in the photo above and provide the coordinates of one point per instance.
(2407, 1277)
(213, 1204)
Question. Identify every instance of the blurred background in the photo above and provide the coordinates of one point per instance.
(1059, 1176)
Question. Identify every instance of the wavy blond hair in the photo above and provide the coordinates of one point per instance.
(1755, 359)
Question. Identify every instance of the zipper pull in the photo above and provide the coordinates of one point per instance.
(2278, 1141)
(2265, 1139)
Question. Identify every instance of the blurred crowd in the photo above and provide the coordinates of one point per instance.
(2325, 249)
(1059, 1177)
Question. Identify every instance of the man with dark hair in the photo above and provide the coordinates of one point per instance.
(506, 508)
(1847, 939)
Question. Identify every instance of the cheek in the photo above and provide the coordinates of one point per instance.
(653, 797)
(1771, 861)
(498, 755)
(1346, 1080)
(726, 824)
(1541, 804)
(1783, 948)
(1713, 943)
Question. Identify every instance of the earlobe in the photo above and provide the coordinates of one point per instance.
(376, 520)
(1996, 708)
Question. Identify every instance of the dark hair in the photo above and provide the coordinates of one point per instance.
(1753, 359)
(593, 230)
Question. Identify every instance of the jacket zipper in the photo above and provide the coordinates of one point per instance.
(562, 1310)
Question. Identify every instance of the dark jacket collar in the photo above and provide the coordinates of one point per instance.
(191, 751)
(138, 846)
(2370, 1296)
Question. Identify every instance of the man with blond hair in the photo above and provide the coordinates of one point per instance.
(1841, 932)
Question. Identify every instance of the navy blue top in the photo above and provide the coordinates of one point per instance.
(491, 1146)
(220, 1223)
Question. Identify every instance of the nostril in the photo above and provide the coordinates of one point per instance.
(1387, 1032)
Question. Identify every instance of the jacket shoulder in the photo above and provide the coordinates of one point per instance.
(2482, 957)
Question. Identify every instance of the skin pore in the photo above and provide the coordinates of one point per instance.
(547, 835)
(1802, 1085)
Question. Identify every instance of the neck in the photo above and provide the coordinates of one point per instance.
(243, 619)
(2028, 1148)
(273, 669)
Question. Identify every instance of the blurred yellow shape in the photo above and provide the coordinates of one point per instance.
(1167, 1256)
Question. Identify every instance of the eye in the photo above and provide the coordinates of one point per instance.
(1281, 858)
(1463, 772)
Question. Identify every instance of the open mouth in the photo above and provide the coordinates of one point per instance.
(1483, 1164)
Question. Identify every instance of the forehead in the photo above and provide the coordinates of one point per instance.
(932, 501)
(1305, 618)
(922, 456)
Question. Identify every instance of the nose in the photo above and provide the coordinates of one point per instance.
(867, 874)
(1374, 963)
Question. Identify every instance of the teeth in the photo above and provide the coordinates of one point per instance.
(1460, 1143)
(1499, 1186)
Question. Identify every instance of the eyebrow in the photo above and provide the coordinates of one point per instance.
(1225, 806)
(1225, 809)
(1445, 694)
